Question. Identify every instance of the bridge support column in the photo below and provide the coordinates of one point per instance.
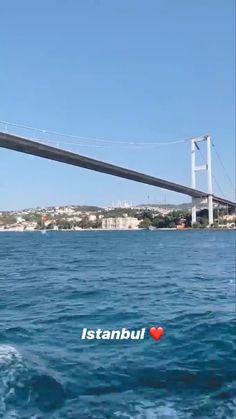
(193, 166)
(194, 211)
(210, 210)
(210, 198)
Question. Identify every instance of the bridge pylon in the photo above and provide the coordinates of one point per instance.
(196, 168)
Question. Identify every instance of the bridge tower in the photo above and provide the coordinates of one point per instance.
(197, 168)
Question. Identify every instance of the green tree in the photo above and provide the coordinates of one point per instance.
(64, 225)
(145, 223)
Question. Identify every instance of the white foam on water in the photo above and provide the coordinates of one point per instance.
(166, 411)
(11, 367)
(7, 354)
(11, 415)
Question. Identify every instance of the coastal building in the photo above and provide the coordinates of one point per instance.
(92, 217)
(120, 223)
(228, 217)
(20, 219)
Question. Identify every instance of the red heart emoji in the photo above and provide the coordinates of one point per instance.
(156, 332)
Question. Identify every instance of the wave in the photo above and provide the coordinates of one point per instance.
(11, 368)
(24, 391)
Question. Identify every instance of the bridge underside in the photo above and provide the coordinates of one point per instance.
(23, 145)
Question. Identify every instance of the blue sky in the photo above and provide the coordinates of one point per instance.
(142, 71)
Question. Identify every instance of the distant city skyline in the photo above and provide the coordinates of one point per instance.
(124, 72)
(118, 204)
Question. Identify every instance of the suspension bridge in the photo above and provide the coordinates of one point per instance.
(30, 146)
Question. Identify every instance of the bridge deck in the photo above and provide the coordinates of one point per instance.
(27, 146)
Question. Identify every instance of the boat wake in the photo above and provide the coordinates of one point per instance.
(11, 370)
(25, 392)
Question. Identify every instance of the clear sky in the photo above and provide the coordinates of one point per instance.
(122, 70)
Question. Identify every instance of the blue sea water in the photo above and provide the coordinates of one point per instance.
(53, 285)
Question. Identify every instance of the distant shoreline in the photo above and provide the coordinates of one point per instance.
(116, 229)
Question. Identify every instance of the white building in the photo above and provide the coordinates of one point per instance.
(20, 220)
(120, 223)
(92, 217)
